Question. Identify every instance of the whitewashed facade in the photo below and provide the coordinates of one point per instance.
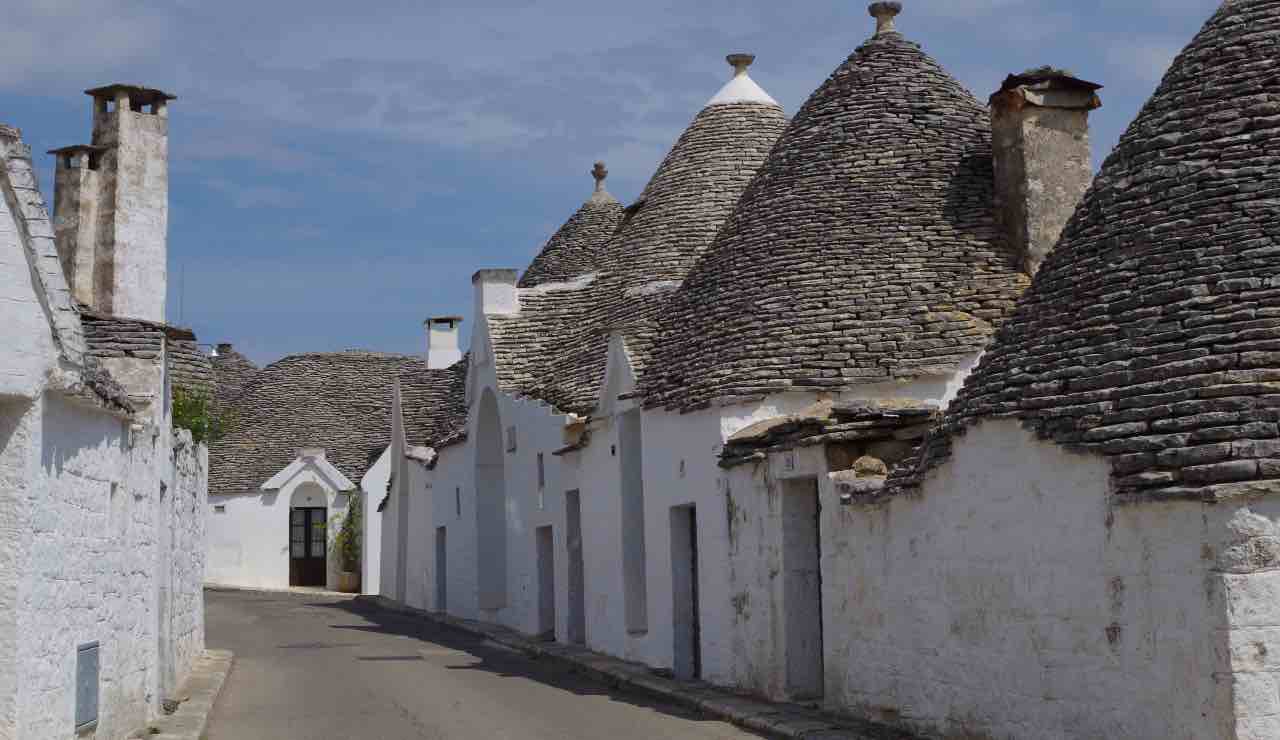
(102, 499)
(1083, 545)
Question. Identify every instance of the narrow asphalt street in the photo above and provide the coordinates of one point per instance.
(322, 668)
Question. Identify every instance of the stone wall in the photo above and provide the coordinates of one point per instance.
(1013, 598)
(107, 547)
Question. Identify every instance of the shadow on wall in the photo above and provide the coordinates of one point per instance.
(11, 413)
(69, 431)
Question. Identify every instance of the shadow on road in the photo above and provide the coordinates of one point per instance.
(489, 656)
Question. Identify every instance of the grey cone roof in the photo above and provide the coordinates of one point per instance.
(661, 237)
(576, 249)
(866, 250)
(338, 401)
(1152, 332)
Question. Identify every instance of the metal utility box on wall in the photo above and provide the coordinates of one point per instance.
(87, 673)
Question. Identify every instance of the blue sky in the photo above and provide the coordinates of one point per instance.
(339, 170)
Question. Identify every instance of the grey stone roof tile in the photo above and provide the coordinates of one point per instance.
(1151, 334)
(659, 239)
(338, 401)
(576, 248)
(865, 250)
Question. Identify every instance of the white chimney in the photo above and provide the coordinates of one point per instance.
(443, 349)
(496, 293)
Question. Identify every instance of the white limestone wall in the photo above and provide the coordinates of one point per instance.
(249, 539)
(26, 342)
(99, 550)
(417, 552)
(1011, 598)
(1250, 594)
(453, 507)
(681, 469)
(187, 555)
(373, 487)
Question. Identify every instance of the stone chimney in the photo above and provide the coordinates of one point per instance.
(443, 349)
(1040, 136)
(111, 204)
(495, 292)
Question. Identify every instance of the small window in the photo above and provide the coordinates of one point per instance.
(220, 509)
(542, 472)
(87, 676)
(457, 500)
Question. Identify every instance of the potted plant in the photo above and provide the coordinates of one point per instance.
(346, 546)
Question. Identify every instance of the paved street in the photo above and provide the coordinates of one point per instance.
(322, 668)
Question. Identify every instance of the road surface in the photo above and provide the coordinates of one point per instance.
(322, 668)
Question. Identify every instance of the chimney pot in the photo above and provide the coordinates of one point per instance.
(495, 292)
(1042, 160)
(885, 13)
(443, 349)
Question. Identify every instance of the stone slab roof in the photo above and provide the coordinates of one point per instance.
(1151, 334)
(109, 337)
(576, 248)
(20, 190)
(866, 249)
(340, 402)
(233, 372)
(659, 239)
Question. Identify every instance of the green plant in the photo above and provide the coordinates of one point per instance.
(193, 411)
(346, 543)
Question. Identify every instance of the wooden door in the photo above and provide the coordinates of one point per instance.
(308, 546)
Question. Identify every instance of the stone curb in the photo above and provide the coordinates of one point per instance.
(199, 693)
(790, 721)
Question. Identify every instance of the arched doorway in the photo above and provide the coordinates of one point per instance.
(491, 505)
(308, 536)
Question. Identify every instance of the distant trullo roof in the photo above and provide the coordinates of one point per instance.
(660, 238)
(576, 248)
(1152, 332)
(866, 249)
(338, 401)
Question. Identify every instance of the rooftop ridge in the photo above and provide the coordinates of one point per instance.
(741, 88)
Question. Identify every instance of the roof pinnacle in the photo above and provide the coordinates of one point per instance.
(740, 63)
(600, 173)
(885, 13)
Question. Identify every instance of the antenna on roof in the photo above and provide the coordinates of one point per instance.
(182, 294)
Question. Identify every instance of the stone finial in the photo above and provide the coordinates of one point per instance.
(740, 63)
(885, 13)
(600, 173)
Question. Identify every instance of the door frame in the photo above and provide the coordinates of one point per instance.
(310, 569)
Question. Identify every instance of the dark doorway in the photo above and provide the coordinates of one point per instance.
(802, 589)
(684, 582)
(546, 584)
(442, 570)
(577, 626)
(307, 547)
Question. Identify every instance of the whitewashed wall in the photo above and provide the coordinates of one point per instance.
(249, 539)
(1012, 598)
(101, 551)
(374, 487)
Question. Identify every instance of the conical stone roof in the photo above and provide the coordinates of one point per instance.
(576, 249)
(338, 401)
(660, 238)
(1152, 332)
(866, 250)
